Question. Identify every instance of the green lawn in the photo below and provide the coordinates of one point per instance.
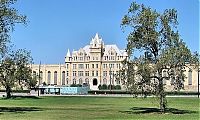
(62, 108)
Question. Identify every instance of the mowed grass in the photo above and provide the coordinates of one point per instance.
(64, 108)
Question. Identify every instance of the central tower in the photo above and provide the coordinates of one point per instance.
(96, 54)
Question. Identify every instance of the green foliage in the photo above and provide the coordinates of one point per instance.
(14, 70)
(44, 83)
(9, 16)
(75, 85)
(113, 87)
(117, 87)
(99, 87)
(13, 65)
(104, 87)
(155, 34)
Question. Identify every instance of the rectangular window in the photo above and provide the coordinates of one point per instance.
(105, 73)
(67, 73)
(74, 66)
(190, 77)
(74, 73)
(87, 66)
(81, 58)
(86, 73)
(80, 73)
(96, 65)
(81, 66)
(96, 73)
(92, 65)
(92, 73)
(67, 66)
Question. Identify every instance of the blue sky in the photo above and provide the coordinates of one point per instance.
(56, 25)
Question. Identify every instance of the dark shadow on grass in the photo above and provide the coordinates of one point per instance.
(23, 97)
(19, 109)
(142, 110)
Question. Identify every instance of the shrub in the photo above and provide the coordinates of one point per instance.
(104, 87)
(73, 85)
(78, 85)
(100, 88)
(117, 87)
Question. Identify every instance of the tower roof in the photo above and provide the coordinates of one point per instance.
(96, 40)
(68, 53)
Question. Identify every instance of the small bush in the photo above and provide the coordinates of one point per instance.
(117, 87)
(75, 85)
(104, 87)
(99, 87)
(78, 85)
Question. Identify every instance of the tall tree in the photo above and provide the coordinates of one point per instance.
(9, 16)
(164, 55)
(15, 70)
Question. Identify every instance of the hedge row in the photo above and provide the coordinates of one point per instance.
(129, 92)
(108, 87)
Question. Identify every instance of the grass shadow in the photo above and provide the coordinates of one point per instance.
(142, 110)
(19, 109)
(23, 97)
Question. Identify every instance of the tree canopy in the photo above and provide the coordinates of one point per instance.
(9, 16)
(14, 65)
(164, 55)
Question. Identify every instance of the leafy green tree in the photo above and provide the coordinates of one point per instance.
(15, 70)
(164, 55)
(9, 16)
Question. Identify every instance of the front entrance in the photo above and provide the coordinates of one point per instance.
(95, 82)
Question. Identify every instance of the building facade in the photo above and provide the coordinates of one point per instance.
(95, 64)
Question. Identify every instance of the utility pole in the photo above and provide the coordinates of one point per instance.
(39, 80)
(198, 80)
(110, 76)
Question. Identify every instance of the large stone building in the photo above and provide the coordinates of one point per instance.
(95, 64)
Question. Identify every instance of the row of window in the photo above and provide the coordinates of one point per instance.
(94, 73)
(75, 58)
(55, 77)
(87, 73)
(105, 81)
(87, 66)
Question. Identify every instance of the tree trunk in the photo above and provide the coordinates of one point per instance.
(162, 97)
(8, 92)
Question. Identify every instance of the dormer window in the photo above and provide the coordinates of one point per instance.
(95, 45)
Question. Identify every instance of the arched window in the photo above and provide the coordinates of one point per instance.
(80, 81)
(87, 81)
(63, 77)
(95, 81)
(67, 80)
(105, 81)
(41, 77)
(74, 81)
(190, 77)
(55, 78)
(49, 78)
